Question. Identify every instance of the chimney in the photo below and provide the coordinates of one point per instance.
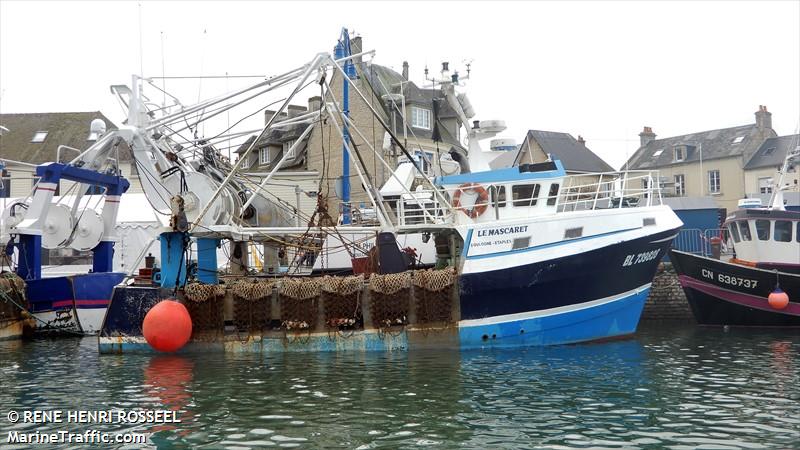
(405, 70)
(269, 113)
(314, 103)
(763, 118)
(581, 140)
(296, 110)
(356, 46)
(646, 136)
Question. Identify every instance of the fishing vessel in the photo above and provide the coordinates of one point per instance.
(760, 285)
(524, 256)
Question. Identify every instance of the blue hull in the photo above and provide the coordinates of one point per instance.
(595, 295)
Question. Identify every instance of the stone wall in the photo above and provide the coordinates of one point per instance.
(667, 300)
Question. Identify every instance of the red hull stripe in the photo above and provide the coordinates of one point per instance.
(63, 303)
(752, 301)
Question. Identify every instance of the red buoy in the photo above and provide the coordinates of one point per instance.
(778, 299)
(167, 326)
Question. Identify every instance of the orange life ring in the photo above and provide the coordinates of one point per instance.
(481, 203)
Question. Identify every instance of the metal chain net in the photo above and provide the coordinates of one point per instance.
(433, 292)
(390, 298)
(12, 296)
(342, 300)
(205, 307)
(299, 300)
(251, 304)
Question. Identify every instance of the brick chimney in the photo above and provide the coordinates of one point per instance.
(763, 118)
(296, 110)
(314, 103)
(646, 136)
(581, 140)
(405, 70)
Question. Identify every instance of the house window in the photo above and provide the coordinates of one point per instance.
(246, 163)
(769, 151)
(738, 139)
(552, 196)
(658, 153)
(713, 181)
(744, 229)
(783, 231)
(263, 156)
(680, 153)
(765, 185)
(762, 229)
(5, 186)
(288, 146)
(420, 118)
(39, 136)
(680, 185)
(525, 194)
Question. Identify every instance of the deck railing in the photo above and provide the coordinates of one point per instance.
(574, 193)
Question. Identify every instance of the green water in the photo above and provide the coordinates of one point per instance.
(668, 387)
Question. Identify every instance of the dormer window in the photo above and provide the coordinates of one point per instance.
(263, 156)
(39, 136)
(420, 118)
(679, 153)
(288, 146)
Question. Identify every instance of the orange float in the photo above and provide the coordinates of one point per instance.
(481, 203)
(167, 326)
(778, 299)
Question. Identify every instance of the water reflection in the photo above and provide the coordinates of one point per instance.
(669, 387)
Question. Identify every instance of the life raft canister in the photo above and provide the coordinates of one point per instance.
(481, 203)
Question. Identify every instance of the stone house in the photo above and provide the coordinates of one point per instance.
(762, 168)
(578, 160)
(27, 140)
(705, 163)
(317, 164)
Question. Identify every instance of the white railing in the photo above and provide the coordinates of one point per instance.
(575, 193)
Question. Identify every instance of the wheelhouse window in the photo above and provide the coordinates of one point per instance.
(734, 231)
(797, 233)
(525, 194)
(680, 185)
(744, 229)
(264, 156)
(552, 196)
(713, 181)
(783, 231)
(420, 118)
(5, 185)
(498, 194)
(762, 229)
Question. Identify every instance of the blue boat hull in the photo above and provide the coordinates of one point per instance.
(579, 298)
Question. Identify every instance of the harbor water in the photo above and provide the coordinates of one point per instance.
(667, 387)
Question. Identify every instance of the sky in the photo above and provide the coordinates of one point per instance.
(602, 70)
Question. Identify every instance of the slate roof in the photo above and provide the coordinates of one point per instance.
(69, 128)
(714, 144)
(277, 136)
(773, 152)
(384, 80)
(575, 157)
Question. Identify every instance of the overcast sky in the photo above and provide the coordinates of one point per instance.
(599, 69)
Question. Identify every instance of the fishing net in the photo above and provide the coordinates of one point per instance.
(342, 300)
(12, 296)
(299, 300)
(389, 303)
(251, 304)
(206, 308)
(434, 289)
